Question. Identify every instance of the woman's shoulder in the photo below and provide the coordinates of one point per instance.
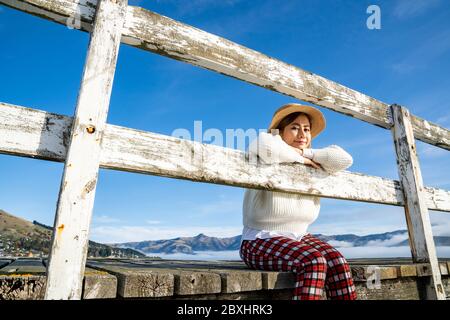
(268, 135)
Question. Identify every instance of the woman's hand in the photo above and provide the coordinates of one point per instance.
(307, 161)
(311, 163)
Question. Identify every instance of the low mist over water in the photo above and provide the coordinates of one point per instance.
(348, 252)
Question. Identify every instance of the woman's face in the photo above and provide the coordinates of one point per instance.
(297, 134)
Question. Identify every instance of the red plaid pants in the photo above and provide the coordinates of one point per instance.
(317, 265)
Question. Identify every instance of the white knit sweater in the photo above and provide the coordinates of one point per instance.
(275, 213)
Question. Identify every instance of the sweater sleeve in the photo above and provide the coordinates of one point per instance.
(332, 158)
(272, 149)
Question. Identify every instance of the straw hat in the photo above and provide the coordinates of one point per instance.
(316, 117)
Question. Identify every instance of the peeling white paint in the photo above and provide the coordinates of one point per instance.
(154, 32)
(150, 153)
(417, 217)
(67, 257)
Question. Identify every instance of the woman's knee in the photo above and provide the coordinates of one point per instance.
(330, 253)
(335, 258)
(317, 261)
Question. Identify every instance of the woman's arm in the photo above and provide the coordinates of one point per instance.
(272, 149)
(332, 158)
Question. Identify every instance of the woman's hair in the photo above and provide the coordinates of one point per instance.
(289, 119)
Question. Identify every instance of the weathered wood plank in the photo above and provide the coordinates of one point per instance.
(443, 268)
(99, 285)
(31, 286)
(390, 289)
(26, 279)
(235, 275)
(372, 280)
(278, 280)
(59, 11)
(416, 209)
(192, 281)
(394, 289)
(44, 135)
(404, 286)
(380, 261)
(208, 276)
(407, 270)
(364, 273)
(5, 262)
(77, 192)
(31, 133)
(22, 287)
(152, 32)
(24, 266)
(136, 281)
(423, 269)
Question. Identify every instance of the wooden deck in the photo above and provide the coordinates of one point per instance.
(24, 278)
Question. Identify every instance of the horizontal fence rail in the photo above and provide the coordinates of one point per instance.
(153, 32)
(44, 135)
(39, 134)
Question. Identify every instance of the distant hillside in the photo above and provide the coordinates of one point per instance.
(19, 237)
(187, 245)
(202, 242)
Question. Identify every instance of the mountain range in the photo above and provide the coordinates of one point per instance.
(187, 245)
(201, 242)
(19, 237)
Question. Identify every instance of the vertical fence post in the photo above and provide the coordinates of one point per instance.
(65, 270)
(416, 210)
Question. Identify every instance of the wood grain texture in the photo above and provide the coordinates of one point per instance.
(39, 134)
(416, 210)
(151, 279)
(77, 192)
(25, 279)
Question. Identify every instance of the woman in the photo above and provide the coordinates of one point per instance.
(275, 233)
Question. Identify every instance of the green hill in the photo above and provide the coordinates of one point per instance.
(19, 237)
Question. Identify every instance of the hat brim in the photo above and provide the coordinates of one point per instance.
(316, 117)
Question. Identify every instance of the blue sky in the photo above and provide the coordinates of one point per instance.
(407, 61)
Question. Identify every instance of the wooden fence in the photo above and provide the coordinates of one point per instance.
(85, 142)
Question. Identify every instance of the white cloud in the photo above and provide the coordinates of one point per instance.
(444, 120)
(202, 255)
(389, 242)
(440, 223)
(367, 141)
(194, 7)
(218, 207)
(135, 2)
(356, 228)
(104, 219)
(408, 9)
(341, 217)
(152, 221)
(429, 151)
(427, 52)
(348, 252)
(340, 244)
(403, 67)
(223, 205)
(386, 252)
